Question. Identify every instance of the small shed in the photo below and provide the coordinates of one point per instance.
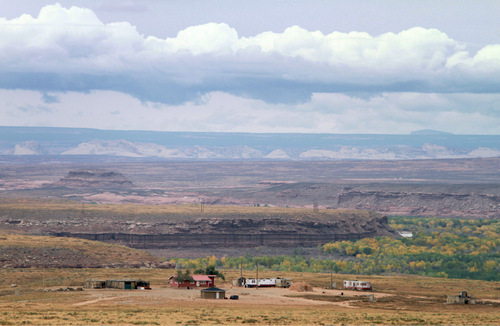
(213, 293)
(461, 298)
(240, 281)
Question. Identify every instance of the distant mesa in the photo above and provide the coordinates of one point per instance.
(30, 147)
(429, 132)
(94, 178)
(73, 144)
(278, 154)
(123, 148)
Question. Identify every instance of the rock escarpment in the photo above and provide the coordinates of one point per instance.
(433, 200)
(234, 233)
(422, 203)
(160, 227)
(94, 178)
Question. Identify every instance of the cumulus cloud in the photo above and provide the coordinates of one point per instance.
(71, 49)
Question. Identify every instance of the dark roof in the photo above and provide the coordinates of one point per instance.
(212, 289)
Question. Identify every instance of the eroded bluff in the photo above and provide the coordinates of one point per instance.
(93, 178)
(238, 233)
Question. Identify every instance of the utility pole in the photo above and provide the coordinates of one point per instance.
(257, 272)
(331, 275)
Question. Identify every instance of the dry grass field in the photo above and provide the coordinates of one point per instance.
(57, 207)
(399, 300)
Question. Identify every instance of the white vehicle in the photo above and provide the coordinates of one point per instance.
(358, 285)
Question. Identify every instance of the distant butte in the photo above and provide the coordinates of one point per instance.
(94, 178)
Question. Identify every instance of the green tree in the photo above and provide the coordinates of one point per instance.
(182, 277)
(210, 270)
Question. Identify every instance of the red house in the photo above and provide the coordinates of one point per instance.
(202, 281)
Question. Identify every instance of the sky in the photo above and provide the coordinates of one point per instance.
(273, 66)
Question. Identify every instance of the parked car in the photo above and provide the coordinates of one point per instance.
(234, 297)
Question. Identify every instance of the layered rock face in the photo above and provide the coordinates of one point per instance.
(433, 200)
(422, 204)
(244, 233)
(186, 226)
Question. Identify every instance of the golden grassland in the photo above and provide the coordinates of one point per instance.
(58, 205)
(415, 300)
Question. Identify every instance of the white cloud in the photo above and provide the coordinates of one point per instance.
(73, 50)
(390, 113)
(208, 38)
(421, 49)
(67, 63)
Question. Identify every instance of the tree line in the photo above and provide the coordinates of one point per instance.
(439, 247)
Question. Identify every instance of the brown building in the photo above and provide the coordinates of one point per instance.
(213, 293)
(126, 284)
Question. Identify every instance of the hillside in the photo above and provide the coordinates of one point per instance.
(25, 251)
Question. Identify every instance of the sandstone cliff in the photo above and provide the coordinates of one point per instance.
(183, 227)
(423, 203)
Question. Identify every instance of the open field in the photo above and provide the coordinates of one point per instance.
(61, 209)
(398, 300)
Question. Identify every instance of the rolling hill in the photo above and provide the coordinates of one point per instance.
(26, 251)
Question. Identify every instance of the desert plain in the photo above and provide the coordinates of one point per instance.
(52, 297)
(34, 295)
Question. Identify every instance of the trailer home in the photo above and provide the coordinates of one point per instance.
(261, 282)
(357, 285)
